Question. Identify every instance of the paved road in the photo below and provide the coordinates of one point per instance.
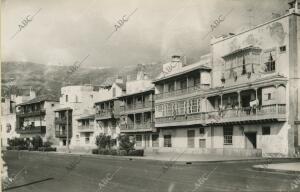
(42, 172)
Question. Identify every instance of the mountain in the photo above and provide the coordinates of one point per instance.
(19, 77)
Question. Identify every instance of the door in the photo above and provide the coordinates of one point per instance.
(147, 140)
(250, 140)
(191, 138)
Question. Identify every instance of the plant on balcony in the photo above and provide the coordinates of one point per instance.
(125, 143)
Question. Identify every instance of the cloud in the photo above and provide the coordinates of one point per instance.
(66, 31)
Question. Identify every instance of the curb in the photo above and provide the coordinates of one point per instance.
(275, 170)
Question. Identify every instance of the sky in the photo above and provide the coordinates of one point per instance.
(65, 31)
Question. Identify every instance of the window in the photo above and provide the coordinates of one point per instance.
(266, 130)
(202, 131)
(180, 108)
(169, 107)
(244, 71)
(228, 132)
(167, 141)
(155, 140)
(138, 140)
(171, 86)
(202, 143)
(76, 99)
(67, 98)
(52, 105)
(269, 96)
(282, 49)
(270, 64)
(194, 105)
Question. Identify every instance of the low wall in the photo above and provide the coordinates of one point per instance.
(211, 151)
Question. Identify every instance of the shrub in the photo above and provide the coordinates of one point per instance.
(47, 144)
(113, 152)
(103, 141)
(139, 152)
(122, 152)
(36, 142)
(125, 143)
(46, 149)
(18, 144)
(95, 151)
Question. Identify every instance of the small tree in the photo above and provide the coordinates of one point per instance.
(103, 141)
(125, 143)
(37, 142)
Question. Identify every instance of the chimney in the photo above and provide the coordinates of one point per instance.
(294, 6)
(32, 94)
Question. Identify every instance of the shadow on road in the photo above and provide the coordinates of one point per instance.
(31, 183)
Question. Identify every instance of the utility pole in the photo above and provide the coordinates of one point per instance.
(68, 131)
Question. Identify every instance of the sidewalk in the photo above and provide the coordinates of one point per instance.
(280, 167)
(170, 156)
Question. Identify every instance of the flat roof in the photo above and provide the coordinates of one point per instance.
(40, 99)
(136, 93)
(64, 109)
(86, 117)
(184, 70)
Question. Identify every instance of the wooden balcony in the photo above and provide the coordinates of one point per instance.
(32, 130)
(180, 92)
(274, 112)
(31, 113)
(137, 108)
(86, 128)
(104, 114)
(138, 127)
(63, 134)
(62, 120)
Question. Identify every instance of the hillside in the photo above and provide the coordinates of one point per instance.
(18, 77)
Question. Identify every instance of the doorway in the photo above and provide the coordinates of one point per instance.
(147, 140)
(250, 140)
(191, 138)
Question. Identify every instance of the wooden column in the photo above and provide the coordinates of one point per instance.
(239, 98)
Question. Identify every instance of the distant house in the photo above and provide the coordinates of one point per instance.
(35, 118)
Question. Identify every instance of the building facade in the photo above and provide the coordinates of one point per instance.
(107, 118)
(244, 102)
(35, 118)
(137, 111)
(76, 104)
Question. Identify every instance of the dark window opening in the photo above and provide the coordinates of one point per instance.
(270, 64)
(266, 131)
(228, 132)
(282, 49)
(167, 141)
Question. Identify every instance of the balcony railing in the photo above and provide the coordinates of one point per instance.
(147, 126)
(62, 120)
(184, 91)
(31, 130)
(229, 115)
(31, 113)
(138, 106)
(104, 114)
(83, 128)
(62, 134)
